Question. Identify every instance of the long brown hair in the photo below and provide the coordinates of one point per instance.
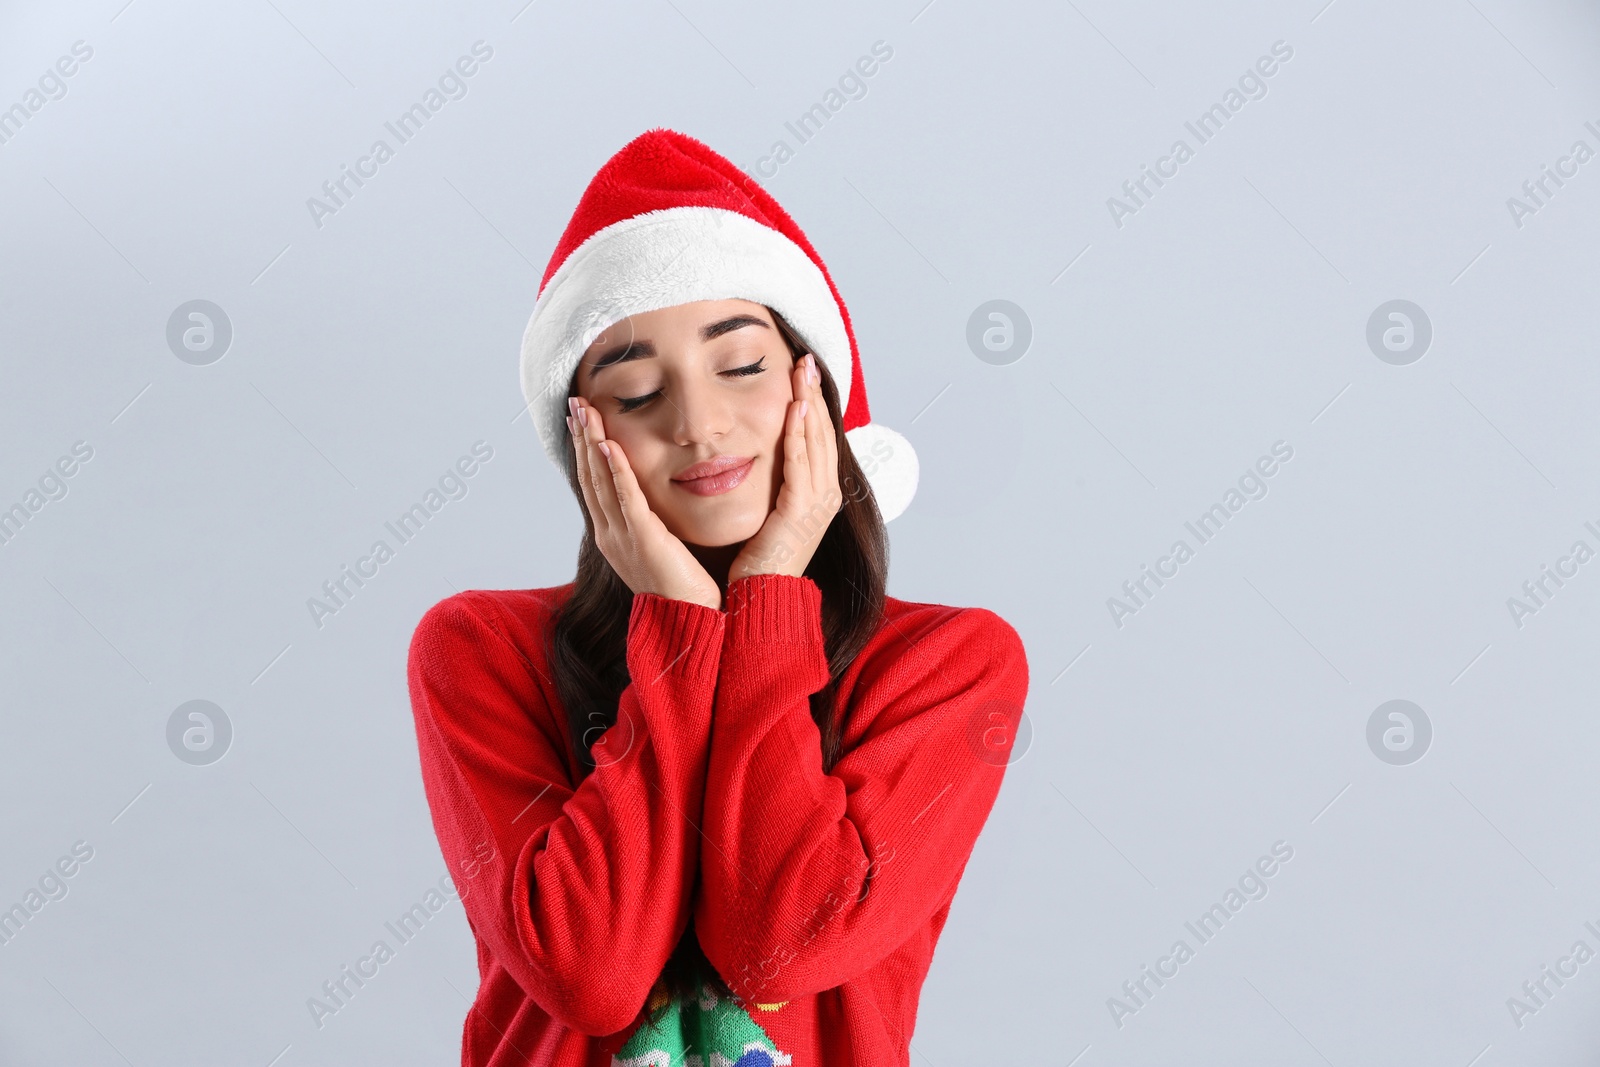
(588, 641)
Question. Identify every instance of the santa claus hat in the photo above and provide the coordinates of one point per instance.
(668, 221)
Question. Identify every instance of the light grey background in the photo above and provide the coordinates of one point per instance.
(1167, 754)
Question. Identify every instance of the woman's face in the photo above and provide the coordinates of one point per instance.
(692, 388)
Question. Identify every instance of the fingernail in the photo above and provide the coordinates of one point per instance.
(569, 427)
(803, 405)
(572, 405)
(605, 450)
(583, 416)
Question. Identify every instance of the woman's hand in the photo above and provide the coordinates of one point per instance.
(809, 497)
(647, 556)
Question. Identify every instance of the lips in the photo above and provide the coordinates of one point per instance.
(714, 476)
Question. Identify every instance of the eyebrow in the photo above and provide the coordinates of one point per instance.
(646, 349)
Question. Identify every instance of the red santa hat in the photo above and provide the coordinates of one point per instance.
(668, 221)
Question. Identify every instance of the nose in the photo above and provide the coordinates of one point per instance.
(704, 414)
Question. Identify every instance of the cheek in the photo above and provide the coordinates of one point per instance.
(646, 453)
(766, 413)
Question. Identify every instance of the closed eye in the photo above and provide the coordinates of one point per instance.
(633, 403)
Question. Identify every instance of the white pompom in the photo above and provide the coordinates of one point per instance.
(890, 464)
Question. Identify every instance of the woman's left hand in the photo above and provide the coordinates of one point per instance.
(809, 496)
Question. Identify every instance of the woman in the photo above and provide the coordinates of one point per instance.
(709, 802)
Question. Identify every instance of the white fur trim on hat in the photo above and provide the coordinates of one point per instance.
(659, 259)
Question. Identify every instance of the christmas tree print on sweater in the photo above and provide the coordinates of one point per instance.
(707, 1032)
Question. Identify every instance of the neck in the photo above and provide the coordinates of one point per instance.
(717, 561)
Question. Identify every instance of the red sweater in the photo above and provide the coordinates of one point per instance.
(821, 896)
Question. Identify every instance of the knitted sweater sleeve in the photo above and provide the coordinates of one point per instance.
(581, 893)
(810, 878)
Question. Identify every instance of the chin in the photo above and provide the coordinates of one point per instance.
(717, 534)
(716, 522)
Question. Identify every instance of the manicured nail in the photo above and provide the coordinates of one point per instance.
(572, 405)
(569, 427)
(583, 416)
(605, 450)
(803, 405)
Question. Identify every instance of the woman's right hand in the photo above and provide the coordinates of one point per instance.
(647, 556)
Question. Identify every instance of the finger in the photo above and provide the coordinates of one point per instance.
(820, 445)
(631, 503)
(807, 394)
(599, 464)
(796, 462)
(799, 381)
(818, 428)
(580, 449)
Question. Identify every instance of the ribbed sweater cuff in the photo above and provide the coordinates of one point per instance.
(667, 636)
(774, 608)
